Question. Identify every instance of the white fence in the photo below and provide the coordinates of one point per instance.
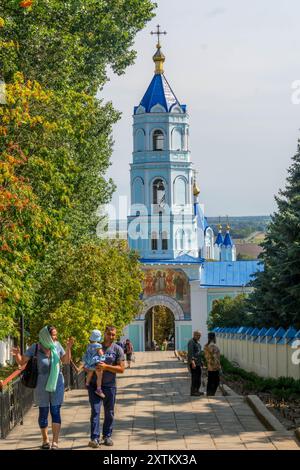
(262, 356)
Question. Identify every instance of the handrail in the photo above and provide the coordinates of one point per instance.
(11, 377)
(17, 372)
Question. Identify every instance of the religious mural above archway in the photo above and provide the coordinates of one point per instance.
(171, 282)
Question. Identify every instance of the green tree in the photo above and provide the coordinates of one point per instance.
(25, 228)
(88, 286)
(67, 46)
(230, 312)
(276, 299)
(70, 43)
(63, 48)
(163, 323)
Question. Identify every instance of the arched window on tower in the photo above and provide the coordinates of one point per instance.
(164, 243)
(140, 140)
(159, 192)
(158, 140)
(138, 191)
(209, 242)
(176, 139)
(154, 241)
(180, 191)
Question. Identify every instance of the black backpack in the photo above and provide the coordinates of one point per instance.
(29, 375)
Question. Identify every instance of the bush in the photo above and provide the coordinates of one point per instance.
(283, 388)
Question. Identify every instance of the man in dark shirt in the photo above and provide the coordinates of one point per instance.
(195, 363)
(114, 364)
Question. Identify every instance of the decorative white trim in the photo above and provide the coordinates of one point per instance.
(164, 300)
(157, 108)
(176, 109)
(140, 110)
(138, 178)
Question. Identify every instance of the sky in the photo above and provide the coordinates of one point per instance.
(233, 63)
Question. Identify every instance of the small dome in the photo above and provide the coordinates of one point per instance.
(196, 190)
(227, 240)
(159, 59)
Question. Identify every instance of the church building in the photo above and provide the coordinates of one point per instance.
(186, 267)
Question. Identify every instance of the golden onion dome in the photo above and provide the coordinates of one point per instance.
(196, 190)
(159, 59)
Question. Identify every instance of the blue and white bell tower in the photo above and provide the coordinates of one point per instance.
(162, 223)
(167, 225)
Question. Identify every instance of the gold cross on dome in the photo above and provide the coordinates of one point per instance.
(158, 33)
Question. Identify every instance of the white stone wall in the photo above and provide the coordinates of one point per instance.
(199, 310)
(263, 358)
(5, 348)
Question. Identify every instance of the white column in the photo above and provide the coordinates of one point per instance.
(199, 309)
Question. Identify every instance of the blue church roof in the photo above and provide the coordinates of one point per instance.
(219, 240)
(159, 92)
(182, 259)
(227, 240)
(229, 273)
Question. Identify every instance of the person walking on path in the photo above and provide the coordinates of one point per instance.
(195, 363)
(128, 350)
(114, 364)
(49, 391)
(212, 356)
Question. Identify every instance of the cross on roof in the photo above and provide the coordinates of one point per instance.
(159, 33)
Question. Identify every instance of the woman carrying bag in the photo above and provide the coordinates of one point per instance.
(49, 391)
(212, 356)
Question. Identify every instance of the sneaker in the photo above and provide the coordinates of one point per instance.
(94, 443)
(197, 394)
(107, 441)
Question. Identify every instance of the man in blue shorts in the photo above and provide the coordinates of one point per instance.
(114, 364)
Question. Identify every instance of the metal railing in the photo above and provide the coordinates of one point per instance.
(16, 400)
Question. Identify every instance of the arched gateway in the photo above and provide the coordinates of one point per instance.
(140, 331)
(165, 301)
(153, 308)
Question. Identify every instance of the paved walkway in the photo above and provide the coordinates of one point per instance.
(155, 412)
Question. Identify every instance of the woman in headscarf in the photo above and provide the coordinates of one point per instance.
(212, 356)
(49, 391)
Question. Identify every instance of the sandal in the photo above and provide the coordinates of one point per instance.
(45, 446)
(54, 446)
